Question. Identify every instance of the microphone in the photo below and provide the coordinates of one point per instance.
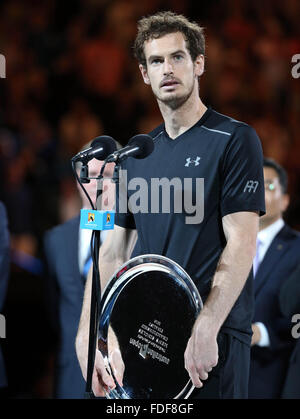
(100, 148)
(139, 147)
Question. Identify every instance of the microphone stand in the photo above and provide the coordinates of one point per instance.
(94, 316)
(96, 286)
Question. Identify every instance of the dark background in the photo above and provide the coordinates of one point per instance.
(70, 77)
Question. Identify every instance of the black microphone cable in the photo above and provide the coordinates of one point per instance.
(81, 185)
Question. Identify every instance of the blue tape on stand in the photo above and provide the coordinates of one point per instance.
(97, 220)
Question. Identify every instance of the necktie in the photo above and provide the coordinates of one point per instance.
(256, 261)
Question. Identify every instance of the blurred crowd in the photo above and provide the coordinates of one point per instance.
(71, 76)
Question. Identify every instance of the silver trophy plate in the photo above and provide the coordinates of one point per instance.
(148, 309)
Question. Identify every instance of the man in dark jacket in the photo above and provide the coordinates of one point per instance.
(278, 253)
(289, 299)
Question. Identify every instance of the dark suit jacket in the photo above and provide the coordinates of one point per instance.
(289, 299)
(268, 364)
(4, 274)
(65, 289)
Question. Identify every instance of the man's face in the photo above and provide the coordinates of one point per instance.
(170, 70)
(91, 188)
(276, 200)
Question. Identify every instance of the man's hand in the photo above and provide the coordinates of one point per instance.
(102, 380)
(201, 354)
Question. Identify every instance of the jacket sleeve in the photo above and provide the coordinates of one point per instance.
(289, 295)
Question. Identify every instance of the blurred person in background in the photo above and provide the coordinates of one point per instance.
(277, 255)
(289, 299)
(68, 259)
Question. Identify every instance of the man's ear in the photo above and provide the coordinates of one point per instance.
(144, 73)
(199, 65)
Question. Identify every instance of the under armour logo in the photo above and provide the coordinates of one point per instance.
(251, 186)
(189, 161)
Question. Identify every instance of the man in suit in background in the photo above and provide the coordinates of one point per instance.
(67, 252)
(4, 275)
(289, 298)
(278, 253)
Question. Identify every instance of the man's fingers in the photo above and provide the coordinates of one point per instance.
(97, 386)
(117, 365)
(106, 378)
(118, 373)
(203, 375)
(215, 362)
(193, 373)
(102, 380)
(194, 376)
(197, 373)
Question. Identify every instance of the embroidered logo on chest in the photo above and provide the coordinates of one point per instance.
(195, 162)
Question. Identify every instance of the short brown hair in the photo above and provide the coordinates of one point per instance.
(163, 23)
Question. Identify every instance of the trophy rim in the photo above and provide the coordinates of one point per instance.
(123, 276)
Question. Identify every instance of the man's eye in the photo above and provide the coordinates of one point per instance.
(156, 61)
(178, 57)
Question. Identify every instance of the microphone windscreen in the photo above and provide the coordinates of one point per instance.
(104, 146)
(145, 144)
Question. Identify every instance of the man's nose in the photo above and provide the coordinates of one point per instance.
(168, 68)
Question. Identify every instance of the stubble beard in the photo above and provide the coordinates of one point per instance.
(176, 100)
